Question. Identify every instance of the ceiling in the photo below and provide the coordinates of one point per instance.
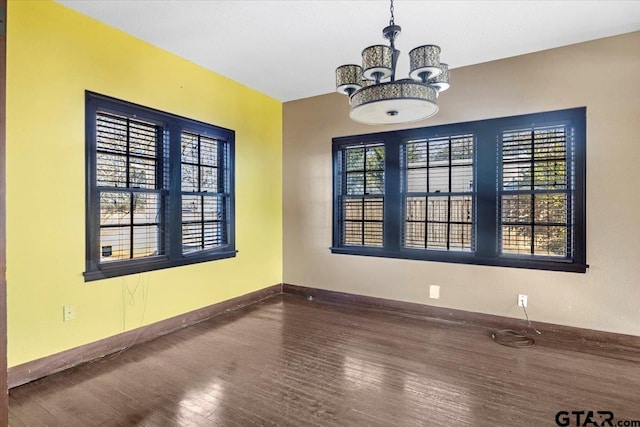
(290, 49)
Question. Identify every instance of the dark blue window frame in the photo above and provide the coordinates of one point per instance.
(486, 196)
(169, 130)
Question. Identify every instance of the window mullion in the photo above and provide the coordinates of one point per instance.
(449, 196)
(392, 220)
(173, 227)
(488, 190)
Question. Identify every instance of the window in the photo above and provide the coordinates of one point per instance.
(505, 192)
(535, 192)
(205, 195)
(438, 196)
(159, 189)
(362, 194)
(128, 177)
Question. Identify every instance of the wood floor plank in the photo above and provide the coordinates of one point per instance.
(287, 361)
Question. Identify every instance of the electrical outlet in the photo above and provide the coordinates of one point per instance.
(522, 300)
(68, 313)
(434, 291)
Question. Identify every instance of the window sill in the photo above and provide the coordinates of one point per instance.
(466, 258)
(124, 268)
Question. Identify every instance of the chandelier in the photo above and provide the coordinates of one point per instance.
(377, 98)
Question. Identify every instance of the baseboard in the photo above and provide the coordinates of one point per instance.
(551, 333)
(625, 346)
(33, 370)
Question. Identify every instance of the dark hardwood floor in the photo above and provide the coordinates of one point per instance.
(287, 361)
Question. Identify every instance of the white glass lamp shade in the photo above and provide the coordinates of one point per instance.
(401, 101)
(348, 78)
(376, 60)
(441, 81)
(424, 62)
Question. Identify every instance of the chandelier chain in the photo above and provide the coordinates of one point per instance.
(392, 20)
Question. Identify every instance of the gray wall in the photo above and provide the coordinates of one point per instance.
(604, 76)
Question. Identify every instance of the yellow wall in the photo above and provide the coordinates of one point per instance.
(606, 298)
(54, 55)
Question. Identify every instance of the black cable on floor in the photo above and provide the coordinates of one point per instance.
(515, 339)
(512, 338)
